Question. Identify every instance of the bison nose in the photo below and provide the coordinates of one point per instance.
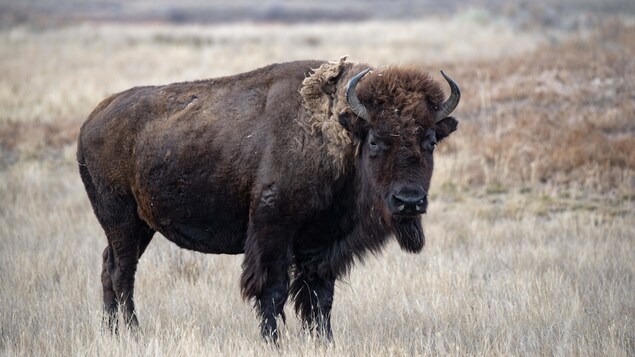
(410, 200)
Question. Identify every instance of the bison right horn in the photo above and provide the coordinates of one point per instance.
(451, 103)
(351, 97)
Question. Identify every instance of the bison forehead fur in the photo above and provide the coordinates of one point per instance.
(273, 163)
(409, 92)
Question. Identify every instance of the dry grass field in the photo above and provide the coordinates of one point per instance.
(530, 231)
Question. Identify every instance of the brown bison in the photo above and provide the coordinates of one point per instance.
(303, 166)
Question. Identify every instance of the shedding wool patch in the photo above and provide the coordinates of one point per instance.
(324, 97)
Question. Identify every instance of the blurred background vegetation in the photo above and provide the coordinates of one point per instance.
(548, 85)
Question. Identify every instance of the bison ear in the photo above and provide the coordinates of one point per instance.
(444, 127)
(352, 123)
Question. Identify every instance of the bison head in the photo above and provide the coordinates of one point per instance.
(398, 116)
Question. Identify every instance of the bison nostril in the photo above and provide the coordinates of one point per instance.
(409, 200)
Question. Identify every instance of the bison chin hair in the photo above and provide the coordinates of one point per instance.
(410, 234)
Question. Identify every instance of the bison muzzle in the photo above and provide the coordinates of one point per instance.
(304, 167)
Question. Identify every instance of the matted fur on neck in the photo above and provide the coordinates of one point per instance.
(324, 97)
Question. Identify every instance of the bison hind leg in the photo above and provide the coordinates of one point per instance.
(110, 298)
(128, 236)
(125, 245)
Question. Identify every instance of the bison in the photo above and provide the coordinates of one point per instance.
(304, 167)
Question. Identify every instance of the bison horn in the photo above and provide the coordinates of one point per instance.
(449, 105)
(351, 97)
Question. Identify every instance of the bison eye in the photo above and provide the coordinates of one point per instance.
(429, 144)
(375, 145)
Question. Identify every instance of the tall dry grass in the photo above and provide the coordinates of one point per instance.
(531, 225)
(564, 115)
(495, 278)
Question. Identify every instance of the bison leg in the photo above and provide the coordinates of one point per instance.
(313, 296)
(272, 299)
(265, 274)
(127, 249)
(128, 237)
(110, 298)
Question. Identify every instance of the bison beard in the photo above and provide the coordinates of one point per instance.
(410, 234)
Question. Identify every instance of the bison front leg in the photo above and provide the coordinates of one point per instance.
(313, 296)
(265, 274)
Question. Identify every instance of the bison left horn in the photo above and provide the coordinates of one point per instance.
(351, 97)
(449, 105)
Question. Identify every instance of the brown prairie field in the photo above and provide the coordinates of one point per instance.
(530, 232)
